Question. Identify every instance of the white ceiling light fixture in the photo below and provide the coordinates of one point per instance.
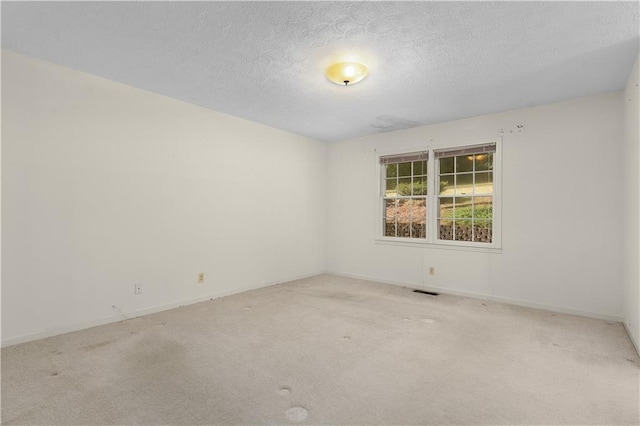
(346, 73)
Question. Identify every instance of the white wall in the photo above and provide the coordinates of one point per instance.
(105, 185)
(561, 239)
(631, 102)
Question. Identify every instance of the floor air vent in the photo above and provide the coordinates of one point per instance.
(430, 293)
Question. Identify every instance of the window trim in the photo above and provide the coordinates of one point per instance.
(432, 239)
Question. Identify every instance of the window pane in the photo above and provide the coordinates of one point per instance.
(419, 218)
(389, 228)
(404, 210)
(484, 183)
(446, 207)
(391, 186)
(484, 161)
(447, 185)
(404, 218)
(419, 211)
(463, 210)
(464, 163)
(482, 231)
(483, 207)
(404, 186)
(419, 167)
(445, 222)
(445, 227)
(464, 184)
(390, 218)
(392, 170)
(390, 208)
(404, 169)
(464, 230)
(403, 230)
(419, 230)
(420, 185)
(446, 165)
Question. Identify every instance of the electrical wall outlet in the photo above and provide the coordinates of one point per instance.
(137, 288)
(201, 278)
(432, 270)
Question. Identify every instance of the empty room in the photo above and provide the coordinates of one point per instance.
(349, 213)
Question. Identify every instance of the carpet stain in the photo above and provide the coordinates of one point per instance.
(296, 414)
(88, 348)
(342, 296)
(284, 391)
(346, 337)
(159, 356)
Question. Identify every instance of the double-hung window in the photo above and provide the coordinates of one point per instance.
(441, 196)
(405, 195)
(465, 200)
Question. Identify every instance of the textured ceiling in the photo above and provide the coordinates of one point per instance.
(429, 61)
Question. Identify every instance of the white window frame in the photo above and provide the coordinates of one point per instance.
(432, 239)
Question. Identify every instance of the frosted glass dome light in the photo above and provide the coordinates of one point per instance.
(346, 72)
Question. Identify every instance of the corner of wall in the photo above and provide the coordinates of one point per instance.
(631, 207)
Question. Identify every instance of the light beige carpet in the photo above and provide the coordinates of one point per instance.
(329, 350)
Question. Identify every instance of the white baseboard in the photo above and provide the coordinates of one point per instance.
(489, 297)
(81, 326)
(631, 337)
(57, 330)
(146, 311)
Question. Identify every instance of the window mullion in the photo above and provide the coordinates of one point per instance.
(432, 199)
(473, 199)
(411, 200)
(397, 203)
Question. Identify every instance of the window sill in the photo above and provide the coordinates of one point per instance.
(440, 246)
